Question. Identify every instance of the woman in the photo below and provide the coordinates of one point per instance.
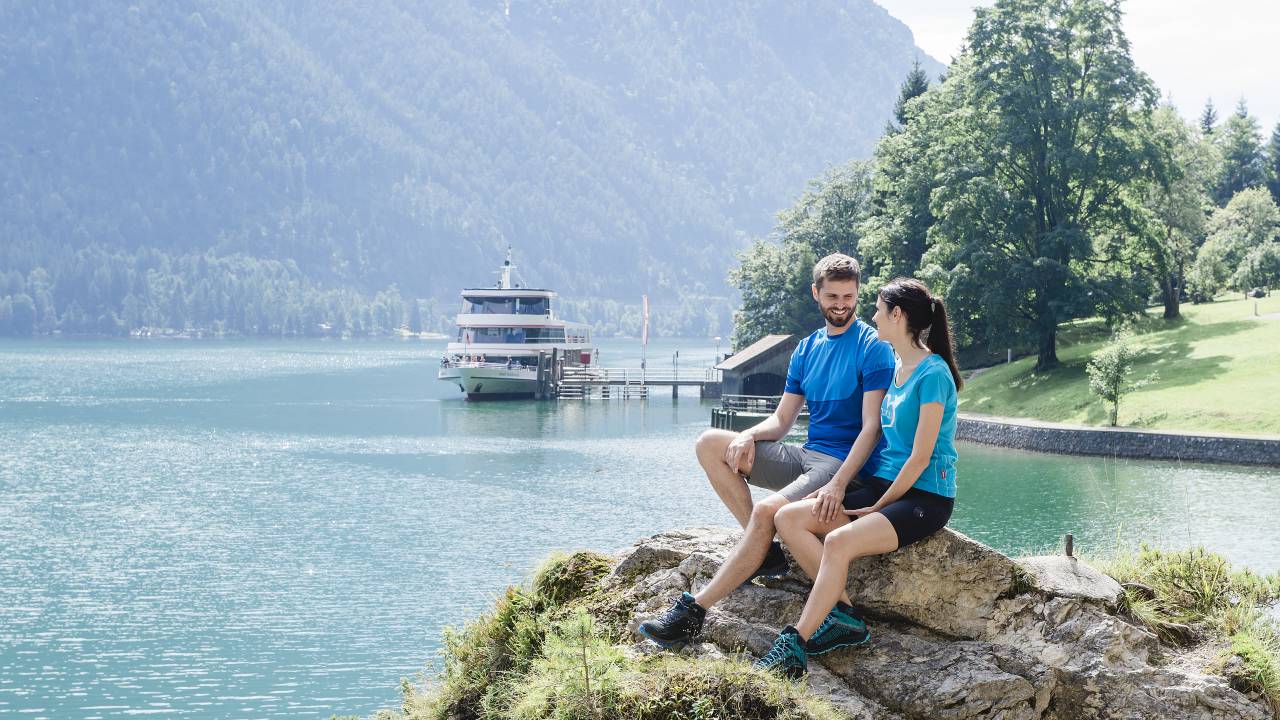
(911, 494)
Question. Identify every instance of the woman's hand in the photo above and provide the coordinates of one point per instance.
(862, 511)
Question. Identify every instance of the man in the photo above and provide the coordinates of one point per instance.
(842, 370)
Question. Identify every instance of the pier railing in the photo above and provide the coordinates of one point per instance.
(739, 412)
(639, 376)
(755, 403)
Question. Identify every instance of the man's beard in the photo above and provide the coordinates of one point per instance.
(835, 320)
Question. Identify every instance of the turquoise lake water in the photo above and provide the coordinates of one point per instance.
(240, 529)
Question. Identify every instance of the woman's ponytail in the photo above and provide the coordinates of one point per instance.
(941, 342)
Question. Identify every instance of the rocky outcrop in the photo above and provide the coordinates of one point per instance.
(959, 631)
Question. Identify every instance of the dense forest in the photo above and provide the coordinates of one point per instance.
(282, 168)
(1039, 181)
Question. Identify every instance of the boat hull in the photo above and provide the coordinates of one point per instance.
(492, 383)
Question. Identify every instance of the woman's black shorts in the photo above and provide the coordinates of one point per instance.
(915, 516)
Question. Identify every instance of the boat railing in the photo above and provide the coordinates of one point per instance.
(754, 403)
(447, 363)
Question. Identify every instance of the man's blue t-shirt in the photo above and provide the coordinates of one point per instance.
(900, 415)
(832, 372)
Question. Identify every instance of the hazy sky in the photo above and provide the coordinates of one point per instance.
(1192, 49)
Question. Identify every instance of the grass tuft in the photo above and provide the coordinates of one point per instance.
(1189, 595)
(551, 652)
(1258, 670)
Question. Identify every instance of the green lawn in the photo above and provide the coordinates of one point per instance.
(1218, 369)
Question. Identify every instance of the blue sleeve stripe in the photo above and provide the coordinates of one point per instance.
(877, 379)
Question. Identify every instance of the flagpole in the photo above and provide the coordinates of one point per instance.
(644, 335)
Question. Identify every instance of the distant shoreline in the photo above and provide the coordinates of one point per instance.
(221, 336)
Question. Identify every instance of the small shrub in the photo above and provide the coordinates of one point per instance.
(576, 677)
(1109, 369)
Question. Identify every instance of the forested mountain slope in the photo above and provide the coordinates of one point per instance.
(622, 147)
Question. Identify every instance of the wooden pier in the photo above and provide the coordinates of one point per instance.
(561, 380)
(597, 382)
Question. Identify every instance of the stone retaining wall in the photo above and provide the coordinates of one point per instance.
(1117, 442)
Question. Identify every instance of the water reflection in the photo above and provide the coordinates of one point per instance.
(1021, 501)
(283, 529)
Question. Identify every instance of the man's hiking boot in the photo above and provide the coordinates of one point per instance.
(677, 627)
(841, 628)
(775, 563)
(787, 657)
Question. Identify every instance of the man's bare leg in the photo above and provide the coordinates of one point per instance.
(728, 482)
(747, 556)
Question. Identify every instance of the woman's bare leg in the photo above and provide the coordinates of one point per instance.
(869, 535)
(802, 531)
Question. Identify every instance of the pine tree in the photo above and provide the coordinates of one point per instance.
(1273, 164)
(1208, 118)
(1243, 164)
(916, 84)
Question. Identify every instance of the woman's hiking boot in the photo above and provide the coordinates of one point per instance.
(841, 628)
(787, 657)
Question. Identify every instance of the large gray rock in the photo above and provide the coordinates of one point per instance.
(959, 631)
(947, 583)
(1069, 577)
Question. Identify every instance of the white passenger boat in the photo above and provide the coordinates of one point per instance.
(501, 332)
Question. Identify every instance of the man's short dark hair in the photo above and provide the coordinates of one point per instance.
(836, 266)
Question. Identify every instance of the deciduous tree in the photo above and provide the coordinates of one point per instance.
(1173, 206)
(1044, 128)
(1242, 239)
(774, 274)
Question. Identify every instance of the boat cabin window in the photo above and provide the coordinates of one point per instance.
(506, 305)
(510, 335)
(533, 306)
(489, 306)
(535, 335)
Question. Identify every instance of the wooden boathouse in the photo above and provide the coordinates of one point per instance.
(752, 381)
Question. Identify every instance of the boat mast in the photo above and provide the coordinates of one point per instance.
(504, 275)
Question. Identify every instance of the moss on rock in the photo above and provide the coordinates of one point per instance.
(554, 650)
(562, 579)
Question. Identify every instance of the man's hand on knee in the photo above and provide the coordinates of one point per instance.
(741, 453)
(830, 500)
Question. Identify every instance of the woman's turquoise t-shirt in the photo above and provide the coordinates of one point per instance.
(900, 414)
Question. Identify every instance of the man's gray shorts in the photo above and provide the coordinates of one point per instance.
(790, 469)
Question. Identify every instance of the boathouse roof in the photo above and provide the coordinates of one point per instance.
(759, 349)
